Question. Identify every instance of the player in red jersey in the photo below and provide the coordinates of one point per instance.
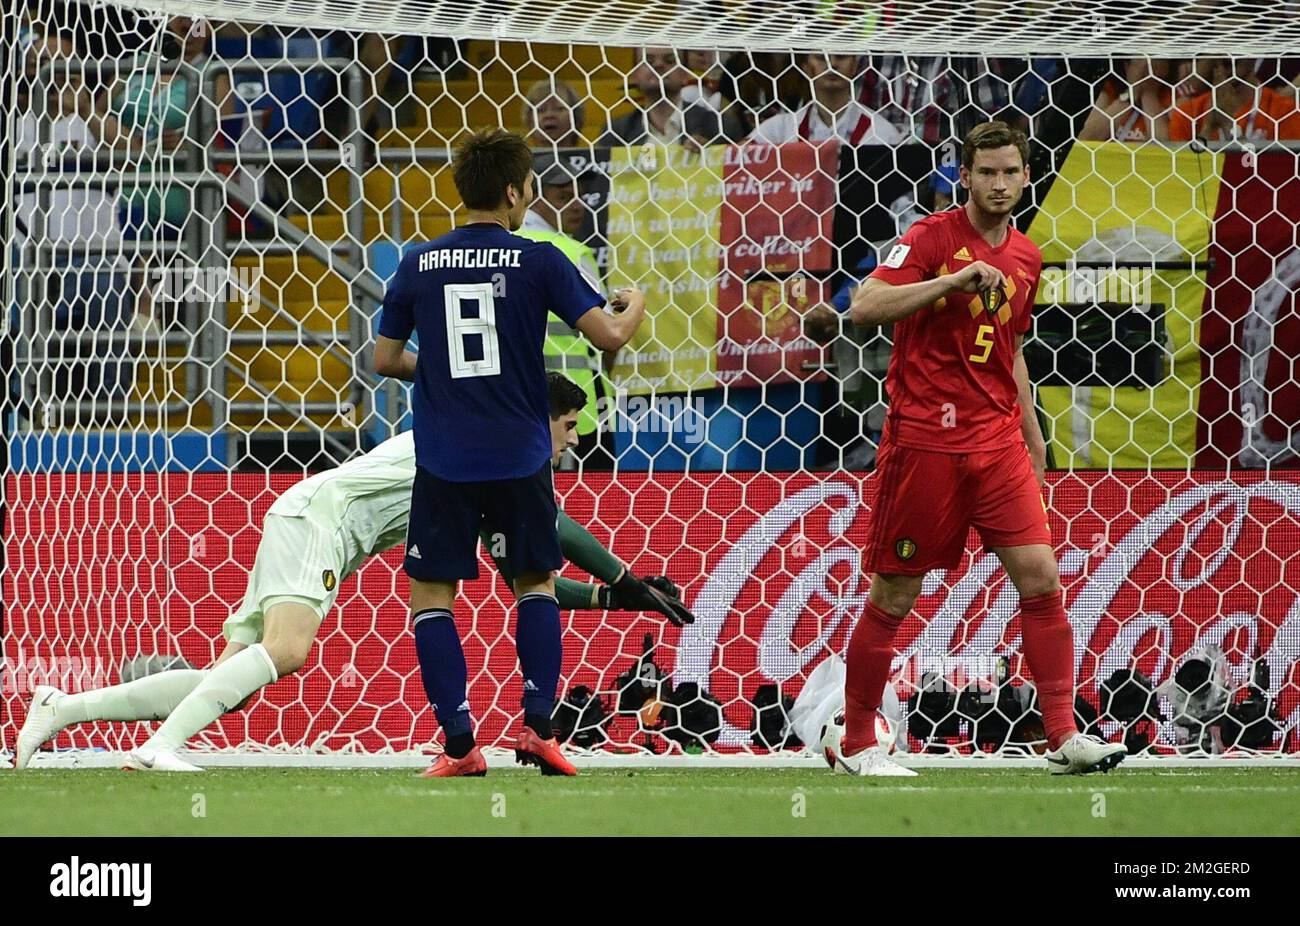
(961, 447)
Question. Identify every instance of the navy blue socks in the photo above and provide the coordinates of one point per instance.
(445, 677)
(537, 640)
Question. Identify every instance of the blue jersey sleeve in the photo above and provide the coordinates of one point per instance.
(398, 318)
(569, 293)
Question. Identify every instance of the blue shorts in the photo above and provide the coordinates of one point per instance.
(518, 517)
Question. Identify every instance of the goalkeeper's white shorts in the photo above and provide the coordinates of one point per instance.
(301, 560)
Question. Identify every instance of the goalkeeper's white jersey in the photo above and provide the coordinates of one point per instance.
(366, 500)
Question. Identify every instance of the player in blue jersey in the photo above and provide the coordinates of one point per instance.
(479, 296)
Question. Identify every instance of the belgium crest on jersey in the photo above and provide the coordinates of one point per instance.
(329, 579)
(995, 298)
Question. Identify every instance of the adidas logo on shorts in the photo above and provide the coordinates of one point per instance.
(414, 553)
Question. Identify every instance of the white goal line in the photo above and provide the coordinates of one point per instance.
(504, 758)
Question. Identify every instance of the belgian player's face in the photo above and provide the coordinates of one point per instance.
(564, 433)
(996, 179)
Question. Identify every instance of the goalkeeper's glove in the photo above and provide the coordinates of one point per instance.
(653, 593)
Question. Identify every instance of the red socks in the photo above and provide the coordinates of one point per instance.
(871, 650)
(1049, 651)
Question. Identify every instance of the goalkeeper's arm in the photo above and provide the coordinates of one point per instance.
(622, 591)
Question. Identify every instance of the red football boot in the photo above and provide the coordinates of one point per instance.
(473, 765)
(531, 749)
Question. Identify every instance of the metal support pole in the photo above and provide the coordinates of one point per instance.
(214, 343)
(359, 312)
(42, 328)
(193, 229)
(392, 388)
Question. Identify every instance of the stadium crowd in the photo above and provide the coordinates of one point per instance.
(695, 98)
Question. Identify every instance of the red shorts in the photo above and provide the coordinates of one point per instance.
(926, 502)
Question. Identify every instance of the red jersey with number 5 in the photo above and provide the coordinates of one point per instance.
(950, 382)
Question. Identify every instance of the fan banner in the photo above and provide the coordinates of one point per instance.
(777, 208)
(1217, 237)
(662, 229)
(1146, 214)
(709, 233)
(1250, 328)
(760, 332)
(1155, 568)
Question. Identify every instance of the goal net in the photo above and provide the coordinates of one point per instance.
(203, 203)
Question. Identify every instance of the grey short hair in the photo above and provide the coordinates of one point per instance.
(546, 88)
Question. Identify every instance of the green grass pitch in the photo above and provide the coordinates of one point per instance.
(691, 801)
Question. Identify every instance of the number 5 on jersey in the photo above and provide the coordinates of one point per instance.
(984, 339)
(457, 297)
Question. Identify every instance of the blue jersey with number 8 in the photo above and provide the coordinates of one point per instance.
(479, 297)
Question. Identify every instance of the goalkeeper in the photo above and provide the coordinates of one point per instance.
(314, 536)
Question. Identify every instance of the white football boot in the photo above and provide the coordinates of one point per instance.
(40, 725)
(151, 759)
(872, 762)
(1082, 754)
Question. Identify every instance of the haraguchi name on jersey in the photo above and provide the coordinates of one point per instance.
(469, 258)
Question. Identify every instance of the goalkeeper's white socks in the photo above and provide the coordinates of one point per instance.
(223, 688)
(149, 698)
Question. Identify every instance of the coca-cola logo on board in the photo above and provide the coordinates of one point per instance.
(1176, 568)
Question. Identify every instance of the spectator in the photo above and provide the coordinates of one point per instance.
(1235, 106)
(832, 112)
(763, 80)
(559, 210)
(1192, 78)
(919, 95)
(660, 115)
(557, 216)
(554, 115)
(1046, 98)
(147, 113)
(38, 47)
(376, 54)
(937, 99)
(712, 86)
(705, 84)
(87, 290)
(1279, 73)
(854, 404)
(1135, 109)
(1014, 90)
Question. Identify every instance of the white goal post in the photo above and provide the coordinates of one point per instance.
(203, 202)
